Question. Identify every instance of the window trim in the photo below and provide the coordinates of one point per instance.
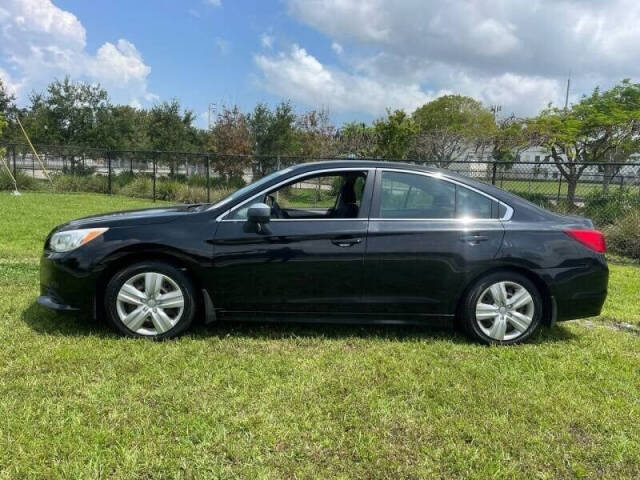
(506, 217)
(368, 187)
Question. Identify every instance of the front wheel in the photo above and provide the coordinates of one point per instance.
(150, 299)
(502, 308)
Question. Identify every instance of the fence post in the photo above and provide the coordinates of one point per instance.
(208, 180)
(559, 187)
(110, 191)
(493, 174)
(154, 176)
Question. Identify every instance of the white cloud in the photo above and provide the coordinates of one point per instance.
(39, 41)
(303, 78)
(215, 3)
(223, 46)
(10, 86)
(266, 40)
(336, 47)
(514, 52)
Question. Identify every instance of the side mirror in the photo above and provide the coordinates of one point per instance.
(259, 213)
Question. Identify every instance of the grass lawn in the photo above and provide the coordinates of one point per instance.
(286, 401)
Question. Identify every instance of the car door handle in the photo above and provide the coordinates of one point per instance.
(346, 242)
(474, 238)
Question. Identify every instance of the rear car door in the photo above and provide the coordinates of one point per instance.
(309, 259)
(428, 236)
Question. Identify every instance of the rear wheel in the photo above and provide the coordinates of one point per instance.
(150, 299)
(502, 308)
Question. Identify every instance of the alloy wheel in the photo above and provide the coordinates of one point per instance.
(150, 303)
(505, 310)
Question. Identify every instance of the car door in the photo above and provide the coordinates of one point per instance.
(427, 237)
(311, 261)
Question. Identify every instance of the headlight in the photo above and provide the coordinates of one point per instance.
(72, 239)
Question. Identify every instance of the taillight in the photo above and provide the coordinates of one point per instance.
(592, 239)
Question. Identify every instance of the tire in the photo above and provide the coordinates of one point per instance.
(150, 299)
(490, 317)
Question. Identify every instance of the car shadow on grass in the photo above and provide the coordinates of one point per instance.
(48, 322)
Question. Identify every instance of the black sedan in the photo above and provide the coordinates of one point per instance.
(338, 241)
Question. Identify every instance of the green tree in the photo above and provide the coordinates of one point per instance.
(170, 130)
(450, 126)
(122, 127)
(8, 110)
(603, 127)
(273, 134)
(356, 139)
(394, 135)
(67, 113)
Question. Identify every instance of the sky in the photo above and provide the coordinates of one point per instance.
(355, 58)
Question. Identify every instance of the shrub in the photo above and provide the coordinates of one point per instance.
(605, 208)
(623, 236)
(140, 187)
(25, 182)
(167, 189)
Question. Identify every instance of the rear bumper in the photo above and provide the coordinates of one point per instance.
(579, 291)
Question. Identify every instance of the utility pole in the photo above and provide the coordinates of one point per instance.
(566, 97)
(211, 107)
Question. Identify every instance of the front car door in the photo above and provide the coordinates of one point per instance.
(428, 235)
(309, 258)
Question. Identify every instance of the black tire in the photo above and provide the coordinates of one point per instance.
(467, 316)
(181, 280)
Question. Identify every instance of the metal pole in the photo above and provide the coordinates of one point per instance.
(208, 180)
(493, 174)
(559, 187)
(154, 177)
(109, 170)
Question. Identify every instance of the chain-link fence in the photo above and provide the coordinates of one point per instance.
(602, 193)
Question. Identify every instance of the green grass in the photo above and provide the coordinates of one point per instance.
(286, 401)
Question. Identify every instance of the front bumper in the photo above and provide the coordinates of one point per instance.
(52, 303)
(66, 285)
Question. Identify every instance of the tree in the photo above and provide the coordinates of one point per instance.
(599, 129)
(316, 134)
(273, 133)
(67, 113)
(8, 110)
(613, 117)
(450, 126)
(510, 138)
(3, 124)
(122, 127)
(394, 135)
(356, 139)
(170, 130)
(230, 140)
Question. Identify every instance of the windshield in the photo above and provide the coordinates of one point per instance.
(240, 192)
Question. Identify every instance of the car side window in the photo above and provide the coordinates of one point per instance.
(323, 196)
(408, 195)
(470, 204)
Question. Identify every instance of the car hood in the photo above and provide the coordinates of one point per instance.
(129, 218)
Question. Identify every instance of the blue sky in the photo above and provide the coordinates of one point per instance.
(355, 58)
